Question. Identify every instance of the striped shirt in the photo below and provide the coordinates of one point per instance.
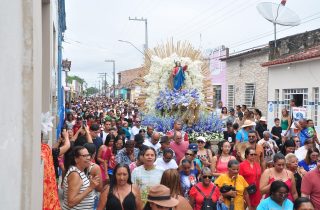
(88, 202)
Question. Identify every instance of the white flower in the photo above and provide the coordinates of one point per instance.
(46, 122)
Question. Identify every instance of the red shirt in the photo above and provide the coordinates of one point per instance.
(310, 186)
(179, 149)
(198, 198)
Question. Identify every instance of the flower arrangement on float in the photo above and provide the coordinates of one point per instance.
(208, 126)
(178, 86)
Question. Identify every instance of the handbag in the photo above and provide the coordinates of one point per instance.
(252, 188)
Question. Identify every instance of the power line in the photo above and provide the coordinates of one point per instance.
(285, 29)
(219, 20)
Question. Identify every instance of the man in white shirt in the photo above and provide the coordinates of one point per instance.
(167, 161)
(135, 129)
(106, 130)
(269, 145)
(154, 143)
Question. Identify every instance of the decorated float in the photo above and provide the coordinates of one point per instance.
(177, 85)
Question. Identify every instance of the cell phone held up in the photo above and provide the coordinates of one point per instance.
(84, 123)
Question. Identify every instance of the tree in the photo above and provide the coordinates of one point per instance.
(81, 81)
(91, 91)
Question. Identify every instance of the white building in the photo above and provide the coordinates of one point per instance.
(294, 73)
(28, 63)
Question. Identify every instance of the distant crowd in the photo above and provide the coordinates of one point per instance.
(105, 159)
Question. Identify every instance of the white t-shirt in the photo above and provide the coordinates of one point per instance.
(154, 146)
(134, 131)
(301, 153)
(160, 164)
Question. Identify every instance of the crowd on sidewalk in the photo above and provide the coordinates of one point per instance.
(107, 160)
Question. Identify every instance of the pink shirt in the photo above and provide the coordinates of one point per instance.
(179, 149)
(310, 186)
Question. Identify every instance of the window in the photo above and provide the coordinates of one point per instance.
(316, 103)
(276, 97)
(230, 101)
(217, 89)
(300, 95)
(249, 97)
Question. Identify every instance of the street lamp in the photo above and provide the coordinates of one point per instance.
(114, 76)
(145, 54)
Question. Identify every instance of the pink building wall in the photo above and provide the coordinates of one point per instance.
(218, 71)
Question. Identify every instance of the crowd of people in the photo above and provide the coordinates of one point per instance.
(105, 159)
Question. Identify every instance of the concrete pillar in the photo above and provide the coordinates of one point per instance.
(20, 91)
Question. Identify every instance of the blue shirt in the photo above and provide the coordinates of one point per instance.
(242, 135)
(307, 167)
(269, 204)
(305, 134)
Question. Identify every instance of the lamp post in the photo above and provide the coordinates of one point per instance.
(145, 54)
(114, 76)
(66, 67)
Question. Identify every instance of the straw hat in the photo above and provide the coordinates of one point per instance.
(160, 195)
(247, 123)
(263, 119)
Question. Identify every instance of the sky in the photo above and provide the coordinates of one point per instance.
(94, 28)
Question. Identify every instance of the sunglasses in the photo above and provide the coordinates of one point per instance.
(186, 154)
(253, 154)
(207, 177)
(200, 142)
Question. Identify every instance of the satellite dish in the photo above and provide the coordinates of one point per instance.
(278, 14)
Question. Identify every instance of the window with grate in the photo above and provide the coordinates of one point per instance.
(249, 96)
(276, 97)
(300, 95)
(217, 89)
(316, 103)
(230, 96)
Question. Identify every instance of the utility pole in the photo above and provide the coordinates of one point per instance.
(114, 76)
(104, 77)
(146, 30)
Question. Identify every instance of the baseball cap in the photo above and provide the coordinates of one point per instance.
(193, 147)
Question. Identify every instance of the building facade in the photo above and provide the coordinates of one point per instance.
(129, 83)
(294, 74)
(29, 64)
(218, 74)
(246, 79)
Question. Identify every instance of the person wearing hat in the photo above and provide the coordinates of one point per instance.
(242, 135)
(232, 117)
(164, 144)
(203, 154)
(261, 126)
(159, 197)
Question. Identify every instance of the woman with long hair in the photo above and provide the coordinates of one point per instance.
(220, 162)
(278, 197)
(78, 189)
(121, 194)
(310, 161)
(171, 179)
(106, 158)
(203, 154)
(251, 171)
(289, 146)
(285, 123)
(278, 172)
(147, 175)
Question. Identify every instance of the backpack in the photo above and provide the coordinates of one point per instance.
(207, 204)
